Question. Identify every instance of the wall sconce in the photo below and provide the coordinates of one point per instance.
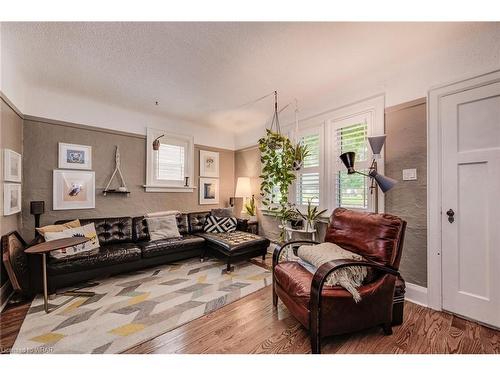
(156, 143)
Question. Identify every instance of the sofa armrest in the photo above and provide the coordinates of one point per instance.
(324, 271)
(279, 249)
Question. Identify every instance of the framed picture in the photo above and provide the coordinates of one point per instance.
(209, 164)
(12, 166)
(209, 191)
(75, 156)
(73, 190)
(11, 198)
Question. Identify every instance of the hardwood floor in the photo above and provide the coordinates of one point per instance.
(252, 325)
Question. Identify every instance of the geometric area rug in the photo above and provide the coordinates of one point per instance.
(131, 308)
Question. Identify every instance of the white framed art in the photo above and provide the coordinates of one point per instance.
(209, 164)
(73, 190)
(11, 198)
(209, 190)
(73, 156)
(12, 166)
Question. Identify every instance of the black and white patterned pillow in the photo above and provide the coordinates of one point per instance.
(214, 224)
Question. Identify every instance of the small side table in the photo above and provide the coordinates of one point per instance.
(46, 247)
(253, 227)
(289, 231)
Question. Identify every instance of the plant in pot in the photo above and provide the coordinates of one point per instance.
(311, 215)
(277, 155)
(301, 152)
(251, 209)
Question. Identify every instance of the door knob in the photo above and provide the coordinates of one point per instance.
(451, 215)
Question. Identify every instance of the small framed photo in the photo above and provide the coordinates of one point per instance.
(73, 190)
(209, 191)
(11, 198)
(209, 164)
(12, 162)
(75, 156)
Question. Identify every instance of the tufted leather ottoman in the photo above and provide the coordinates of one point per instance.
(235, 246)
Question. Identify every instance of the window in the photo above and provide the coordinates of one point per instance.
(308, 183)
(168, 167)
(352, 190)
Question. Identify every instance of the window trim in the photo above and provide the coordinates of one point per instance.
(152, 185)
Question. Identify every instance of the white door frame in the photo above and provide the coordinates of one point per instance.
(434, 182)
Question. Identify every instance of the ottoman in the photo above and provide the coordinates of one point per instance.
(235, 246)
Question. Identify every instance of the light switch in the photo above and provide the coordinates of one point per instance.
(409, 174)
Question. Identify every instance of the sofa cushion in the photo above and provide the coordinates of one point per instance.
(197, 221)
(234, 241)
(140, 227)
(112, 230)
(156, 248)
(106, 256)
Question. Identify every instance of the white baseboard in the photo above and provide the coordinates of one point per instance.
(5, 287)
(416, 294)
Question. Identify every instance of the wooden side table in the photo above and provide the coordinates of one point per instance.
(253, 227)
(46, 247)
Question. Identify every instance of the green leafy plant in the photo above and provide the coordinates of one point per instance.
(311, 215)
(301, 152)
(250, 207)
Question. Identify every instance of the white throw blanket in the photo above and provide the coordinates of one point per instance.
(161, 213)
(350, 277)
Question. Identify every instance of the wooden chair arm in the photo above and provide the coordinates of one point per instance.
(279, 249)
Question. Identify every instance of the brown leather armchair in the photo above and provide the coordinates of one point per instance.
(326, 310)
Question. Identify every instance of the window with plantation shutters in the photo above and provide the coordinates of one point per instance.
(171, 162)
(308, 182)
(351, 191)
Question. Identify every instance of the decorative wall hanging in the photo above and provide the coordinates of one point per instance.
(12, 168)
(209, 190)
(11, 198)
(75, 156)
(122, 189)
(73, 190)
(209, 164)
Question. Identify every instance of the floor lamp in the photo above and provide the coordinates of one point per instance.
(384, 183)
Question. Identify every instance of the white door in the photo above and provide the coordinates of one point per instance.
(471, 203)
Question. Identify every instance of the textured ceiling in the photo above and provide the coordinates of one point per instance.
(204, 72)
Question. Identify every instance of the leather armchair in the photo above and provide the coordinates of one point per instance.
(326, 310)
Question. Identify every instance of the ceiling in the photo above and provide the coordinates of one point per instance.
(205, 72)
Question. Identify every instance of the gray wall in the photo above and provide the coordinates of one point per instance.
(406, 147)
(406, 129)
(11, 136)
(41, 139)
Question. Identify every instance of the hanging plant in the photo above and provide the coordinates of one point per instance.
(301, 152)
(277, 158)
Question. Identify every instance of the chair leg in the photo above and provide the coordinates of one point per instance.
(387, 328)
(315, 343)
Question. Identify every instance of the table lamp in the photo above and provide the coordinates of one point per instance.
(243, 190)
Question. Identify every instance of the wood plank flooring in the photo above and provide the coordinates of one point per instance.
(252, 325)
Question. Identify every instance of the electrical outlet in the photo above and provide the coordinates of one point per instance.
(409, 174)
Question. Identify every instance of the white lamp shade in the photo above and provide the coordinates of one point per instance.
(243, 188)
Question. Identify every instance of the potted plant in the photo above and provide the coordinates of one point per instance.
(311, 215)
(251, 209)
(301, 152)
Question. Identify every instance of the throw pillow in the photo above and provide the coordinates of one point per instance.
(88, 248)
(58, 227)
(214, 224)
(350, 278)
(163, 227)
(222, 212)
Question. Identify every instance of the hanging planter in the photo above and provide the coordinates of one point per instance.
(300, 153)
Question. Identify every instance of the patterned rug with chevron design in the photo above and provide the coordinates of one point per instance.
(132, 308)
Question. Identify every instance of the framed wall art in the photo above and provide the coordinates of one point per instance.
(11, 198)
(73, 190)
(75, 156)
(209, 164)
(209, 190)
(12, 166)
